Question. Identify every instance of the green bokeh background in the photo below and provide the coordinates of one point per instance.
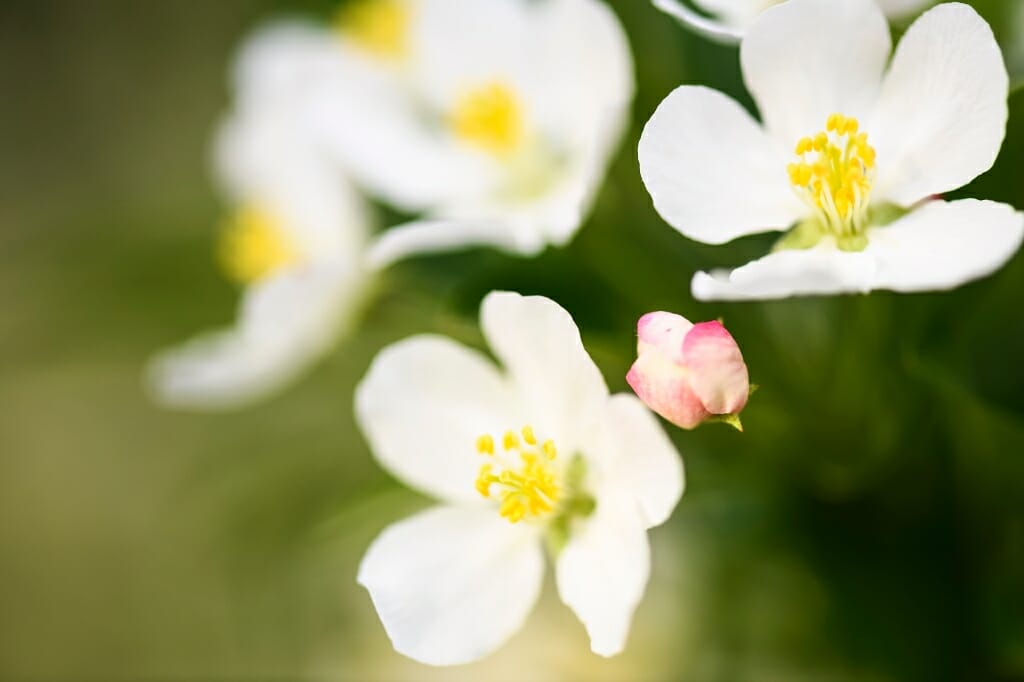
(868, 525)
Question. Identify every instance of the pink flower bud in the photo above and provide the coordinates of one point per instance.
(688, 373)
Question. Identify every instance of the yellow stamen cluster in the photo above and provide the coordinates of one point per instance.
(834, 174)
(378, 26)
(489, 117)
(253, 246)
(527, 485)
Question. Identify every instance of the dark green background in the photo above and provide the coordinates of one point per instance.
(868, 525)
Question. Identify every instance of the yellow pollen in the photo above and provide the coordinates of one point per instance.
(253, 245)
(522, 479)
(834, 174)
(489, 117)
(485, 445)
(378, 26)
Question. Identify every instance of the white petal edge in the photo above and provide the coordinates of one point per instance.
(822, 270)
(422, 405)
(715, 29)
(943, 245)
(557, 384)
(713, 174)
(806, 59)
(641, 460)
(423, 237)
(603, 571)
(452, 585)
(937, 246)
(941, 116)
(284, 324)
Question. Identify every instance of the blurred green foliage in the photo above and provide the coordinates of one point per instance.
(869, 524)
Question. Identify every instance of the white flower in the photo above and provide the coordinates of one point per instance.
(537, 451)
(727, 20)
(494, 120)
(851, 154)
(294, 241)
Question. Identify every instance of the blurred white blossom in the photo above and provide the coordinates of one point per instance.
(852, 154)
(537, 452)
(492, 121)
(294, 240)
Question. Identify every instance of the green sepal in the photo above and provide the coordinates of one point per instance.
(804, 235)
(880, 215)
(577, 505)
(852, 242)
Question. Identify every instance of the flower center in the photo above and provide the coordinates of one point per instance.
(520, 475)
(489, 117)
(254, 246)
(834, 176)
(378, 26)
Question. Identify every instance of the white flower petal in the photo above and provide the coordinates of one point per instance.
(263, 162)
(463, 45)
(821, 270)
(640, 459)
(285, 323)
(581, 89)
(283, 62)
(806, 59)
(943, 245)
(722, 28)
(266, 157)
(432, 236)
(712, 172)
(603, 571)
(375, 130)
(452, 585)
(937, 246)
(942, 112)
(557, 384)
(582, 74)
(422, 405)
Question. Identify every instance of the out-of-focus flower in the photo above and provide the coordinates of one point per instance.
(859, 197)
(727, 20)
(294, 241)
(493, 120)
(1015, 45)
(537, 452)
(689, 373)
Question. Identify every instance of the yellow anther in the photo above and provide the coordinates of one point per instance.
(799, 174)
(489, 117)
(836, 180)
(378, 26)
(485, 445)
(527, 486)
(484, 480)
(528, 435)
(254, 245)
